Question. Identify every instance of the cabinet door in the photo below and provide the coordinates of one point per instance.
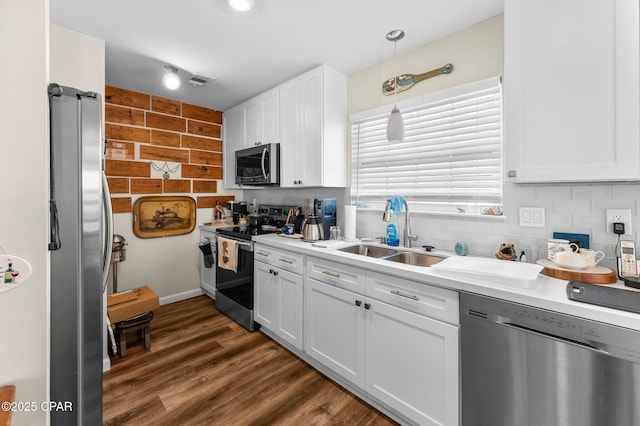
(265, 293)
(334, 329)
(262, 119)
(269, 117)
(289, 135)
(311, 149)
(571, 86)
(411, 364)
(251, 125)
(233, 127)
(289, 307)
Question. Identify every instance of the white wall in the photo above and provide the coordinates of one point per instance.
(476, 54)
(76, 60)
(169, 265)
(24, 318)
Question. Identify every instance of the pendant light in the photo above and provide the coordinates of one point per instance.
(395, 125)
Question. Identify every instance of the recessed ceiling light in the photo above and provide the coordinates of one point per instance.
(240, 5)
(171, 80)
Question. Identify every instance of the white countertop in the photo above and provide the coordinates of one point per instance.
(545, 293)
(212, 226)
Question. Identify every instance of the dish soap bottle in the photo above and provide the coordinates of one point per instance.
(392, 231)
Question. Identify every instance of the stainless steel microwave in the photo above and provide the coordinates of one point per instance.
(259, 165)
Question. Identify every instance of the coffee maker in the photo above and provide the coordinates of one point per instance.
(326, 210)
(238, 209)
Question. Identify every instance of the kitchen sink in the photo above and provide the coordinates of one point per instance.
(371, 251)
(418, 259)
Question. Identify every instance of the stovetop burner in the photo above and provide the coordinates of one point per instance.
(244, 232)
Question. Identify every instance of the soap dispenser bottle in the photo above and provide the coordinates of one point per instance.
(392, 231)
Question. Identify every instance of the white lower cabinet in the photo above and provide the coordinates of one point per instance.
(278, 293)
(396, 354)
(334, 329)
(411, 364)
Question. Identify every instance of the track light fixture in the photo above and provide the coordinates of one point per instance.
(171, 80)
(240, 5)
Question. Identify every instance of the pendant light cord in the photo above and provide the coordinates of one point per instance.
(395, 82)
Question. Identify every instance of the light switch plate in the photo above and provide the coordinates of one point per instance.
(532, 217)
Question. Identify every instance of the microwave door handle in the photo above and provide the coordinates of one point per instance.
(264, 155)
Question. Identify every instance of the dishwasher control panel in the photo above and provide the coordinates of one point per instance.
(541, 319)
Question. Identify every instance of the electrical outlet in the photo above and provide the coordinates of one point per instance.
(621, 216)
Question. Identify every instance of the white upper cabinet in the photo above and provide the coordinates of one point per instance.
(571, 90)
(313, 129)
(254, 122)
(233, 128)
(263, 119)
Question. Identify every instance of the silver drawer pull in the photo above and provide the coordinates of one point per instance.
(408, 296)
(289, 261)
(331, 274)
(261, 253)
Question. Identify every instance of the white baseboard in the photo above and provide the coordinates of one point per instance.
(180, 296)
(106, 364)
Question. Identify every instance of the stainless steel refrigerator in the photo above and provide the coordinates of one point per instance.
(80, 250)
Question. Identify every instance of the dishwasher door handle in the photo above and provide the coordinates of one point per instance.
(553, 337)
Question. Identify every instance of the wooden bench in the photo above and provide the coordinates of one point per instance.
(140, 325)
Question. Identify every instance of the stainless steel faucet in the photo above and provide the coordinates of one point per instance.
(407, 236)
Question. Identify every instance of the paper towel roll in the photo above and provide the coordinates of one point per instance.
(350, 223)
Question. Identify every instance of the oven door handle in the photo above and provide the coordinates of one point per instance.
(249, 246)
(264, 155)
(239, 242)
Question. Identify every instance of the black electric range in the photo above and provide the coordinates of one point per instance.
(244, 232)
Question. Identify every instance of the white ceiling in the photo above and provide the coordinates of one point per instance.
(250, 53)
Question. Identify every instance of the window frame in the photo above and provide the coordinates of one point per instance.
(488, 204)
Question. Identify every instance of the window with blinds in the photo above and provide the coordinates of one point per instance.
(451, 156)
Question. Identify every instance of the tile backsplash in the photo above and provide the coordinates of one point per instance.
(574, 208)
(568, 208)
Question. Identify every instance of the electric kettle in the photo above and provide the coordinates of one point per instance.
(312, 229)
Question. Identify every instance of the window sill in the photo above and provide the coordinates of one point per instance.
(474, 216)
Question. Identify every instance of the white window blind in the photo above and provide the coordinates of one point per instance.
(451, 156)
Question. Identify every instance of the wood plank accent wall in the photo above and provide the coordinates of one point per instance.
(141, 128)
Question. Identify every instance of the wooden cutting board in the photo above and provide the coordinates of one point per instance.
(591, 275)
(294, 236)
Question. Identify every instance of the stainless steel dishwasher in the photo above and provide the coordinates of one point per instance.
(523, 366)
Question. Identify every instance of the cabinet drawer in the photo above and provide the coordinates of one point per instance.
(337, 274)
(413, 296)
(286, 260)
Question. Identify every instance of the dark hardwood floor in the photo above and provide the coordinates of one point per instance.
(202, 368)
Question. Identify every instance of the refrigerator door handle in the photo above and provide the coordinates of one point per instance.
(108, 237)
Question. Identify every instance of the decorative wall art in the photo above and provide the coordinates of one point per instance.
(407, 81)
(161, 216)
